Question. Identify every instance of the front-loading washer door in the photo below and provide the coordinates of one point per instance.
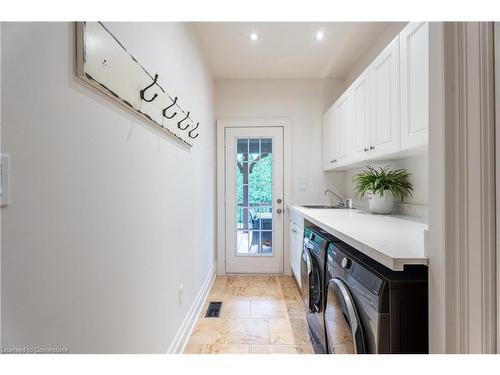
(315, 291)
(305, 273)
(344, 334)
(311, 282)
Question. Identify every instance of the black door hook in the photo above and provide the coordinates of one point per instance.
(179, 123)
(144, 90)
(197, 134)
(170, 106)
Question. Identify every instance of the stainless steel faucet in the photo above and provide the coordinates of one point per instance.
(342, 203)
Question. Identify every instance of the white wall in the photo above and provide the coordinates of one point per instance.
(108, 217)
(0, 208)
(304, 102)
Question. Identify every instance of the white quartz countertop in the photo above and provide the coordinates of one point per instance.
(393, 241)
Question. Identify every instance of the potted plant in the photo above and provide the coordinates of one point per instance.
(382, 185)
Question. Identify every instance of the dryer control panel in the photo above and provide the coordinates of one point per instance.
(363, 275)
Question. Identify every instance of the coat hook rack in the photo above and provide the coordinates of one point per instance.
(180, 122)
(96, 46)
(148, 87)
(170, 106)
(197, 134)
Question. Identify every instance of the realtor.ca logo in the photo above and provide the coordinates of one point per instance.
(34, 350)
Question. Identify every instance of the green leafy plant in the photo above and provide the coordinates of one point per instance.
(377, 181)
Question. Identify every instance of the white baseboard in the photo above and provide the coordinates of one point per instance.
(181, 338)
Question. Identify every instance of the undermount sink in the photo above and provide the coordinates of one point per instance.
(321, 206)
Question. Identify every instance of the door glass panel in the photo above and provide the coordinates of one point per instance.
(254, 149)
(254, 194)
(243, 242)
(266, 146)
(266, 242)
(266, 217)
(242, 212)
(242, 149)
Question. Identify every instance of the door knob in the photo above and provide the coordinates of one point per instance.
(278, 200)
(279, 210)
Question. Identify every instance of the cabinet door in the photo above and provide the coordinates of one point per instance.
(292, 245)
(342, 125)
(414, 59)
(329, 150)
(361, 117)
(385, 129)
(298, 252)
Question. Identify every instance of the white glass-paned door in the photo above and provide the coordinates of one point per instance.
(254, 200)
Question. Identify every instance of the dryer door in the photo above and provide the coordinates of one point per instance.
(344, 333)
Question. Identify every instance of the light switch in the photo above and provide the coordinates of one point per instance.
(4, 179)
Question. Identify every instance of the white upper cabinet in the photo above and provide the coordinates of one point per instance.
(329, 149)
(343, 128)
(385, 112)
(360, 118)
(414, 56)
(385, 130)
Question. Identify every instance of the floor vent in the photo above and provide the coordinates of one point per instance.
(213, 310)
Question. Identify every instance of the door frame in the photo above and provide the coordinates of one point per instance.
(462, 215)
(222, 124)
(496, 38)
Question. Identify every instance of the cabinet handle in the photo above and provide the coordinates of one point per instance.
(333, 161)
(365, 149)
(372, 147)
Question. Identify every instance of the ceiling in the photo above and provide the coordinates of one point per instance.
(285, 49)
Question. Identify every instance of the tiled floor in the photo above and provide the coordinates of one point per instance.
(260, 314)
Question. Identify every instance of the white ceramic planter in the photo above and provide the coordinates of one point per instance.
(381, 205)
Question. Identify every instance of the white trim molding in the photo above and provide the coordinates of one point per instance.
(222, 124)
(462, 184)
(181, 338)
(497, 169)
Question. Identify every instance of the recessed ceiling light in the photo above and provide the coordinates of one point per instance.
(320, 35)
(253, 36)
